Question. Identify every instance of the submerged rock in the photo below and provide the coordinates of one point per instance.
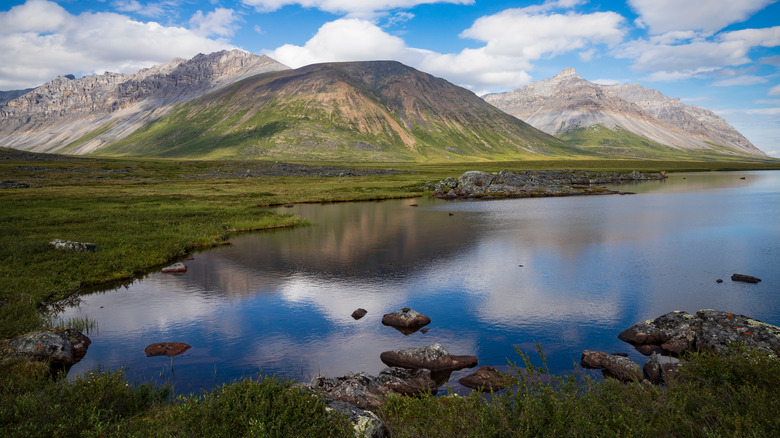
(67, 245)
(433, 357)
(166, 349)
(60, 347)
(487, 379)
(745, 278)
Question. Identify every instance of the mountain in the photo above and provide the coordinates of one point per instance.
(622, 120)
(369, 111)
(69, 115)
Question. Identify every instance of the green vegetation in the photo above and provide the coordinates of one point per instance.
(619, 144)
(143, 214)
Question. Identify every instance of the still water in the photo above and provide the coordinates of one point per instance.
(566, 273)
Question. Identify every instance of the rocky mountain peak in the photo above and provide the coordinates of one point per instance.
(567, 73)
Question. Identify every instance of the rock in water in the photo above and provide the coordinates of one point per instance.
(359, 313)
(166, 349)
(486, 379)
(175, 268)
(619, 367)
(405, 317)
(745, 278)
(433, 357)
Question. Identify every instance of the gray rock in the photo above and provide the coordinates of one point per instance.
(618, 367)
(406, 318)
(366, 424)
(175, 268)
(67, 245)
(433, 357)
(661, 369)
(13, 185)
(60, 347)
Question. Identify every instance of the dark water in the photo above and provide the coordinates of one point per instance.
(280, 302)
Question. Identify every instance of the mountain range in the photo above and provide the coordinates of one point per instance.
(233, 104)
(622, 120)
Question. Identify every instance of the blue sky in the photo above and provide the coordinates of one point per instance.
(722, 55)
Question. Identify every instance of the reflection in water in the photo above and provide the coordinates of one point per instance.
(568, 273)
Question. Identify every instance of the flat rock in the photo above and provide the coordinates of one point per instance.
(433, 357)
(359, 313)
(175, 268)
(487, 379)
(66, 245)
(406, 318)
(745, 278)
(166, 349)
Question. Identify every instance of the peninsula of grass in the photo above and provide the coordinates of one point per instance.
(144, 214)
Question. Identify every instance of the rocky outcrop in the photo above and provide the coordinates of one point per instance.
(709, 330)
(433, 357)
(67, 245)
(487, 379)
(13, 185)
(57, 113)
(567, 103)
(366, 391)
(169, 349)
(506, 184)
(61, 347)
(614, 365)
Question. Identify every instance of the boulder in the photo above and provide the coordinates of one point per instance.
(487, 379)
(60, 347)
(166, 349)
(673, 328)
(660, 369)
(66, 245)
(359, 313)
(366, 391)
(433, 357)
(745, 278)
(475, 181)
(618, 367)
(406, 318)
(175, 268)
(364, 423)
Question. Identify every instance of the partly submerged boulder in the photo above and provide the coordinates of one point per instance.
(487, 379)
(166, 349)
(175, 268)
(433, 357)
(614, 365)
(359, 313)
(406, 318)
(745, 278)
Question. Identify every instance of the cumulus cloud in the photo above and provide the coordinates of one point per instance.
(220, 21)
(697, 56)
(513, 40)
(708, 16)
(40, 40)
(351, 7)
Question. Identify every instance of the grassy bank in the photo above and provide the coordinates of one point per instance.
(145, 214)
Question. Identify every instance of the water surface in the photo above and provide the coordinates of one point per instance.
(566, 273)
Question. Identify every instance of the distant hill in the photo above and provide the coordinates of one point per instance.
(76, 116)
(377, 111)
(622, 120)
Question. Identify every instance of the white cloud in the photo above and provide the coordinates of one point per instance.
(40, 40)
(513, 39)
(220, 22)
(351, 7)
(741, 80)
(708, 16)
(775, 91)
(147, 10)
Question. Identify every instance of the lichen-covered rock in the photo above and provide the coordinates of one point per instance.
(366, 391)
(175, 268)
(166, 349)
(486, 379)
(406, 318)
(67, 245)
(366, 424)
(433, 357)
(665, 328)
(60, 347)
(616, 366)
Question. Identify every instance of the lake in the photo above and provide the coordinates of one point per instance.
(567, 273)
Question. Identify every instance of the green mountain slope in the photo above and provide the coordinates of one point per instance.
(360, 111)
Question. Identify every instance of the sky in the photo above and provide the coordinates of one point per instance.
(723, 55)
